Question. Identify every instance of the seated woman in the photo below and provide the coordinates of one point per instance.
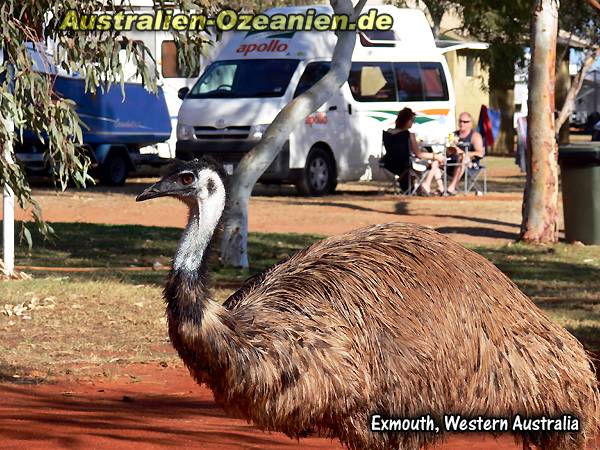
(469, 141)
(403, 141)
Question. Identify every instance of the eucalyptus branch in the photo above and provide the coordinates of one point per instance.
(595, 4)
(358, 8)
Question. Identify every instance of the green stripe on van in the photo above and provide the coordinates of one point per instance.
(380, 118)
(393, 114)
(423, 119)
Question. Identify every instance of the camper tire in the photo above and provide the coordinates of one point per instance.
(318, 177)
(114, 170)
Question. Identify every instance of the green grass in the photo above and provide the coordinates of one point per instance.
(94, 322)
(112, 248)
(97, 245)
(563, 280)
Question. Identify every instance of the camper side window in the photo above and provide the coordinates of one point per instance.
(170, 67)
(408, 79)
(312, 73)
(418, 82)
(372, 82)
(434, 82)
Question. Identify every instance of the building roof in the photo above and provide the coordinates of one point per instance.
(566, 38)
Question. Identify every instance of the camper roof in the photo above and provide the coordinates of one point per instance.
(411, 39)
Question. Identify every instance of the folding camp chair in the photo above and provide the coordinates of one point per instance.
(391, 177)
(472, 175)
(408, 175)
(489, 128)
(471, 178)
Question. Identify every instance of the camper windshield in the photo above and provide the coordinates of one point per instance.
(245, 79)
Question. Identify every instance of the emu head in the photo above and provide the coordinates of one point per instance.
(195, 182)
(200, 184)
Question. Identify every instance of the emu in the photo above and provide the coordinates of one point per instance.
(385, 320)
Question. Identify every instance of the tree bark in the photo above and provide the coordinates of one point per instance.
(540, 201)
(569, 104)
(234, 244)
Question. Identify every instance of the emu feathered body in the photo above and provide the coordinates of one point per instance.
(392, 319)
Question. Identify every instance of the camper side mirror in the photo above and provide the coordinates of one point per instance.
(181, 93)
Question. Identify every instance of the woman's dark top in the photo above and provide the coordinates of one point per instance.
(397, 151)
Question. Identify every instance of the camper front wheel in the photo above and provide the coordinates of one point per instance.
(318, 177)
(114, 169)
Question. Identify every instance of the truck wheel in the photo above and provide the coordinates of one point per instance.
(114, 170)
(318, 177)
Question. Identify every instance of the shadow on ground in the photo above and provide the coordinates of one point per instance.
(178, 416)
(8, 375)
(477, 231)
(130, 253)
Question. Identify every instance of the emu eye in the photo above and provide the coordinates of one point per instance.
(187, 179)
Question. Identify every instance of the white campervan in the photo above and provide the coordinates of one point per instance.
(257, 74)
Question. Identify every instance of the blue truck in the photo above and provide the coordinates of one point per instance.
(115, 129)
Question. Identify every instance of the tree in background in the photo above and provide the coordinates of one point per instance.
(540, 201)
(504, 25)
(435, 9)
(27, 96)
(28, 100)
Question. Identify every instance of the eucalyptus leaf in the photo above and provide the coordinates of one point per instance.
(27, 235)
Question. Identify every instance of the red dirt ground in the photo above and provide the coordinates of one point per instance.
(150, 407)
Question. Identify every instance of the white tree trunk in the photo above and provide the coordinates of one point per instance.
(540, 201)
(8, 196)
(8, 229)
(234, 246)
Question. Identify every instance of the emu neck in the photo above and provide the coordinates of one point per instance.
(192, 316)
(186, 292)
(193, 245)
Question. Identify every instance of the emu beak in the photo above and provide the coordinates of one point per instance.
(159, 189)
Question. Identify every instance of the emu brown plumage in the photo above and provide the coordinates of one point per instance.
(393, 319)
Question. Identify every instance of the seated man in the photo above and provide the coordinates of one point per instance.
(469, 141)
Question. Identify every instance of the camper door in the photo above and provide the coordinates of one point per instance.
(330, 126)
